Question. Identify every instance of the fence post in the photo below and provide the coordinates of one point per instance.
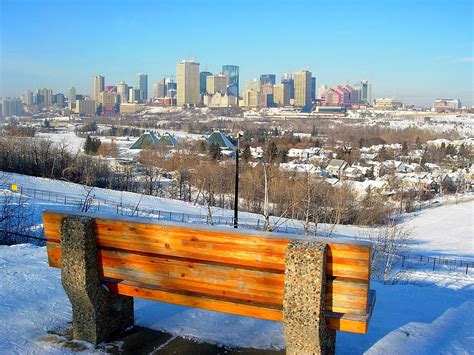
(434, 262)
(467, 267)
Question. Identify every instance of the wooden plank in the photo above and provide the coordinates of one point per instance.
(343, 295)
(344, 260)
(335, 321)
(187, 299)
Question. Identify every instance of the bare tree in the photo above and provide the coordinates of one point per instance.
(389, 243)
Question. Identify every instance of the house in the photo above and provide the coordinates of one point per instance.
(336, 167)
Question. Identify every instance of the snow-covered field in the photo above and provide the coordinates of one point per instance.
(428, 312)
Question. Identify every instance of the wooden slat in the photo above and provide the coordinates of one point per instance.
(335, 321)
(344, 260)
(343, 295)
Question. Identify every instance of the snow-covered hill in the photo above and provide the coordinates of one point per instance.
(429, 312)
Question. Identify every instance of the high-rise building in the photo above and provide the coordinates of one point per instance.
(45, 97)
(340, 95)
(59, 99)
(313, 88)
(71, 95)
(267, 79)
(142, 84)
(446, 105)
(159, 89)
(216, 83)
(321, 91)
(365, 91)
(11, 106)
(251, 98)
(133, 95)
(110, 88)
(98, 85)
(122, 91)
(267, 95)
(202, 81)
(108, 101)
(302, 88)
(28, 98)
(86, 107)
(253, 85)
(281, 94)
(232, 71)
(287, 79)
(187, 77)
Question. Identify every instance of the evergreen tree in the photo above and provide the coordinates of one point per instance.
(418, 143)
(215, 151)
(202, 147)
(405, 148)
(246, 153)
(271, 152)
(314, 131)
(91, 145)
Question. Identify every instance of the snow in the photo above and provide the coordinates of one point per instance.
(429, 312)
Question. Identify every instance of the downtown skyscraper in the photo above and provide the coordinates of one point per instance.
(98, 86)
(142, 84)
(187, 78)
(232, 71)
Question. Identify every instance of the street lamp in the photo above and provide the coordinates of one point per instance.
(236, 191)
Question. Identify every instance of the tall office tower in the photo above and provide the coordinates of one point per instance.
(86, 107)
(302, 88)
(313, 88)
(281, 94)
(187, 77)
(253, 85)
(133, 94)
(202, 81)
(108, 101)
(159, 89)
(267, 79)
(232, 71)
(28, 98)
(287, 79)
(217, 83)
(59, 99)
(45, 97)
(122, 92)
(11, 106)
(142, 84)
(251, 98)
(98, 85)
(267, 95)
(71, 95)
(365, 92)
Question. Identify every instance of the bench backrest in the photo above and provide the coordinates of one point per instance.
(221, 269)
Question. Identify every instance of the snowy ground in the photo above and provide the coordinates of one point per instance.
(428, 312)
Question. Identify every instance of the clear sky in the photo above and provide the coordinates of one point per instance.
(414, 50)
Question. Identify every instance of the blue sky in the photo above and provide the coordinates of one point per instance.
(414, 50)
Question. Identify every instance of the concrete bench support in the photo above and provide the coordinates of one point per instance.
(305, 326)
(97, 313)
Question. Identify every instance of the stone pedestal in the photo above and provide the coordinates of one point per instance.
(305, 327)
(97, 314)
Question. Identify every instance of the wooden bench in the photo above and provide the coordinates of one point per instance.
(241, 272)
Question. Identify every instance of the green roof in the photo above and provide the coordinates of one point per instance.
(223, 140)
(168, 140)
(146, 140)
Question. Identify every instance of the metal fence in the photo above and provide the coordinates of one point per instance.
(435, 262)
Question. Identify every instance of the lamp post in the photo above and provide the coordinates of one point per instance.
(236, 191)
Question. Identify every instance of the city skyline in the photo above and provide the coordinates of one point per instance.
(429, 55)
